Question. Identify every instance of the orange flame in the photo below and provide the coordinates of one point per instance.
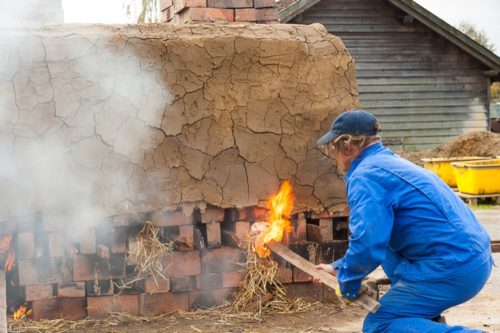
(5, 248)
(281, 205)
(22, 313)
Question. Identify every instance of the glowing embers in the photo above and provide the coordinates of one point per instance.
(6, 250)
(280, 206)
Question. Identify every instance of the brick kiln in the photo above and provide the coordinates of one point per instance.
(191, 127)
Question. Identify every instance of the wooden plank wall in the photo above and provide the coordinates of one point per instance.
(423, 88)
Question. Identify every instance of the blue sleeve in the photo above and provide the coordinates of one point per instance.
(371, 220)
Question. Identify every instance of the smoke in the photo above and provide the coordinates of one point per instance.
(77, 114)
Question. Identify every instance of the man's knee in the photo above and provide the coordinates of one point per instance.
(374, 324)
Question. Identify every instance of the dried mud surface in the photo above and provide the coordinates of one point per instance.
(133, 118)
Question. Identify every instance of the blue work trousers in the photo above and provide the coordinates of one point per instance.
(410, 306)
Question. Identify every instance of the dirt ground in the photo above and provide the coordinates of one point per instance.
(482, 312)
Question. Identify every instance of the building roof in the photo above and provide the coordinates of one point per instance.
(288, 9)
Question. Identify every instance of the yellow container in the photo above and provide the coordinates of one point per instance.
(478, 177)
(442, 167)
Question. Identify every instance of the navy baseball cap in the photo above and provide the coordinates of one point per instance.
(354, 122)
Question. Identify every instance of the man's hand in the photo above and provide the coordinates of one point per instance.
(327, 268)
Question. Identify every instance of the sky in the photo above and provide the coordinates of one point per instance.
(484, 14)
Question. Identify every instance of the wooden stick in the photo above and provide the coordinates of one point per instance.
(3, 302)
(327, 279)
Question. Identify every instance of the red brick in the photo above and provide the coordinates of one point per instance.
(267, 14)
(300, 276)
(119, 240)
(326, 229)
(33, 293)
(311, 292)
(180, 5)
(25, 246)
(71, 289)
(101, 306)
(313, 233)
(157, 304)
(209, 281)
(103, 251)
(56, 244)
(242, 229)
(91, 267)
(160, 286)
(209, 15)
(230, 3)
(28, 273)
(213, 235)
(59, 308)
(170, 219)
(232, 279)
(186, 238)
(208, 298)
(183, 264)
(88, 242)
(165, 4)
(225, 259)
(264, 3)
(182, 283)
(212, 214)
(259, 213)
(285, 275)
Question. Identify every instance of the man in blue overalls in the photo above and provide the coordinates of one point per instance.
(403, 217)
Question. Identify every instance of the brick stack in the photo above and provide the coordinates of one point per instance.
(62, 279)
(189, 11)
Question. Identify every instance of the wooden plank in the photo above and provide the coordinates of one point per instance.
(327, 279)
(429, 110)
(338, 28)
(420, 80)
(321, 12)
(382, 50)
(3, 302)
(434, 117)
(429, 132)
(429, 125)
(445, 87)
(416, 65)
(427, 102)
(423, 95)
(417, 73)
(495, 246)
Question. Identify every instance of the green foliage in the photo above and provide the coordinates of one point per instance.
(143, 11)
(476, 34)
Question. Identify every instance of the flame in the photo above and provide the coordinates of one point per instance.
(281, 205)
(22, 313)
(5, 248)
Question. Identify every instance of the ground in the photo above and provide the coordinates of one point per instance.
(481, 312)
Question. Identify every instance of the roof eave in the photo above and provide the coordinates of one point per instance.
(458, 38)
(295, 9)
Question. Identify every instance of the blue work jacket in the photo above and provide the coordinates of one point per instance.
(405, 218)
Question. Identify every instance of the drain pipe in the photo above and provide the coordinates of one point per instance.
(3, 302)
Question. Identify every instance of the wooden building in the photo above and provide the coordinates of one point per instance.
(426, 81)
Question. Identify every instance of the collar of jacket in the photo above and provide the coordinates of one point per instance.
(370, 150)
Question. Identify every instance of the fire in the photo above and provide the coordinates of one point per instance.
(281, 205)
(5, 248)
(22, 313)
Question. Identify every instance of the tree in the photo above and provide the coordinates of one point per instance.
(476, 34)
(143, 11)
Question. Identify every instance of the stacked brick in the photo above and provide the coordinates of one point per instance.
(63, 279)
(188, 11)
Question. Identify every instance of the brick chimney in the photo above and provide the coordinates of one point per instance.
(189, 11)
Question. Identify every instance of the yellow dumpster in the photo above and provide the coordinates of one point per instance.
(442, 167)
(478, 177)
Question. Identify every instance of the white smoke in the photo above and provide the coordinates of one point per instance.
(76, 116)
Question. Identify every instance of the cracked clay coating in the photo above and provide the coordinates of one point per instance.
(156, 116)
